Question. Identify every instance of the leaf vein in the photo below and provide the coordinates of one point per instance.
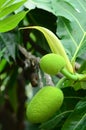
(75, 19)
(82, 5)
(70, 35)
(80, 121)
(73, 58)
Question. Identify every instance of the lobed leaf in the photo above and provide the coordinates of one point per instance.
(50, 7)
(71, 23)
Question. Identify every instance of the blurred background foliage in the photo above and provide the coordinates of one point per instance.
(20, 74)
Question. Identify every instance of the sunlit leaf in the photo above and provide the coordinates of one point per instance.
(2, 2)
(11, 22)
(11, 8)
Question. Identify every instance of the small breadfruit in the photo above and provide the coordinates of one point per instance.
(52, 63)
(44, 104)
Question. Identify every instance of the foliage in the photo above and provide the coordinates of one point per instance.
(43, 24)
(8, 20)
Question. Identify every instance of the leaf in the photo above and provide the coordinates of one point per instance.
(2, 51)
(76, 120)
(82, 68)
(8, 44)
(12, 88)
(54, 43)
(82, 124)
(11, 8)
(2, 3)
(11, 22)
(73, 34)
(51, 124)
(12, 92)
(7, 3)
(2, 65)
(49, 6)
(80, 85)
(71, 23)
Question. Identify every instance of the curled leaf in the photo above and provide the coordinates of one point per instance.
(54, 44)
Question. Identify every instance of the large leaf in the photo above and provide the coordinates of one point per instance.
(73, 33)
(76, 121)
(49, 6)
(71, 23)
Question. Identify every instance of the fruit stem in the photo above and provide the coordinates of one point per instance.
(69, 75)
(74, 77)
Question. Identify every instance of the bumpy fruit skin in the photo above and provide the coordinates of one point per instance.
(44, 104)
(52, 63)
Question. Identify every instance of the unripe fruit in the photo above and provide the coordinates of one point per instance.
(44, 104)
(52, 63)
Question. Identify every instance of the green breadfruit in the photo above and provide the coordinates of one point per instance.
(52, 63)
(44, 104)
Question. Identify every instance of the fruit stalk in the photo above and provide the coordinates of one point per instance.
(74, 77)
(69, 75)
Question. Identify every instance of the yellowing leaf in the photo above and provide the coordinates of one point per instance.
(54, 43)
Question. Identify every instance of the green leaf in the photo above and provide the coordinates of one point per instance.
(80, 85)
(2, 3)
(11, 22)
(54, 43)
(2, 64)
(5, 3)
(12, 92)
(82, 68)
(70, 23)
(11, 8)
(8, 44)
(74, 32)
(12, 88)
(1, 52)
(51, 124)
(50, 6)
(77, 119)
